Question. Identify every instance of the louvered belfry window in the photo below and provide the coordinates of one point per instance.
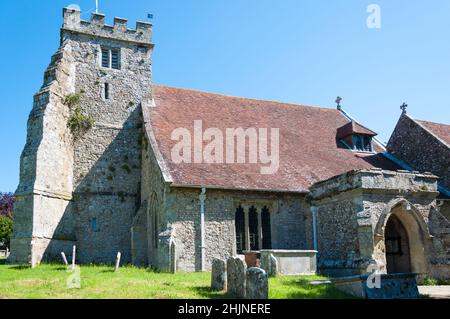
(115, 59)
(111, 58)
(105, 58)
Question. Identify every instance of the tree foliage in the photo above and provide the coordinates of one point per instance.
(6, 229)
(6, 204)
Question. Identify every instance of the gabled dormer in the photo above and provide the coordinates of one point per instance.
(356, 137)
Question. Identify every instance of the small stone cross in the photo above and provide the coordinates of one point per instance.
(403, 107)
(338, 102)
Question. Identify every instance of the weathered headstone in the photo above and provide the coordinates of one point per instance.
(117, 261)
(273, 265)
(74, 250)
(236, 269)
(257, 284)
(63, 255)
(219, 275)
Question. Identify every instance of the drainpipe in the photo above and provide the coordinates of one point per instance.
(202, 198)
(314, 216)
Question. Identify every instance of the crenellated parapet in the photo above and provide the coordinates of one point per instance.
(142, 34)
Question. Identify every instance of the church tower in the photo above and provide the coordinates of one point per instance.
(81, 166)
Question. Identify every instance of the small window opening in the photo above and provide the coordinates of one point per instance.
(115, 59)
(362, 143)
(105, 58)
(106, 91)
(111, 58)
(94, 224)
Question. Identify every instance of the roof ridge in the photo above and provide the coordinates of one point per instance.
(426, 121)
(363, 126)
(249, 99)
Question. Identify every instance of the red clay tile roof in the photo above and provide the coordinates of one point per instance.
(353, 128)
(309, 151)
(440, 130)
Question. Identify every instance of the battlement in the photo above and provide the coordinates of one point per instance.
(97, 27)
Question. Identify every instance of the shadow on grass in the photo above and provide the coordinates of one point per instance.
(20, 267)
(307, 290)
(61, 268)
(2, 261)
(108, 271)
(212, 294)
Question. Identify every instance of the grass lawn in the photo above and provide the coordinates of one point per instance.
(99, 282)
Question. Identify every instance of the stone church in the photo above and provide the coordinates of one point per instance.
(113, 186)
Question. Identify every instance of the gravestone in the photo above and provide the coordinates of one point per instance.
(218, 275)
(257, 284)
(236, 275)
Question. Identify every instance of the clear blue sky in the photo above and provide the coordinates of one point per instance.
(300, 51)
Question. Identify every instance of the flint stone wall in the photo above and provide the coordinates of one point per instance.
(413, 144)
(180, 210)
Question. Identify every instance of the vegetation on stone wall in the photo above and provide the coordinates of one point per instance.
(72, 100)
(78, 121)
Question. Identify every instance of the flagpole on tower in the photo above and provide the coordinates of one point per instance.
(96, 6)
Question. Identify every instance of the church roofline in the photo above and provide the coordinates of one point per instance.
(280, 103)
(225, 188)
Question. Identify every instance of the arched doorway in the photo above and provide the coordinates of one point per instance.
(398, 257)
(401, 241)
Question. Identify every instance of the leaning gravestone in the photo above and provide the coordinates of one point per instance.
(236, 269)
(219, 275)
(257, 284)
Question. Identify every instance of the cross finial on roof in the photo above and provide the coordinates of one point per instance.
(403, 107)
(338, 102)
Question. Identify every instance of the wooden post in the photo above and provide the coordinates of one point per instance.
(117, 262)
(64, 258)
